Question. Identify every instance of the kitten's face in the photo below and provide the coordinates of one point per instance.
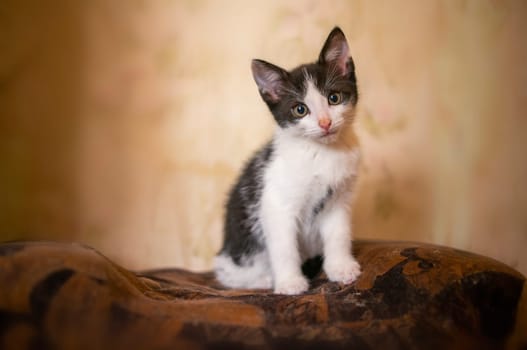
(314, 100)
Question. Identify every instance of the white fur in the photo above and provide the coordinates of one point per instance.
(255, 274)
(304, 165)
(294, 182)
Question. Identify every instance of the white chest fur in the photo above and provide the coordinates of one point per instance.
(302, 169)
(297, 179)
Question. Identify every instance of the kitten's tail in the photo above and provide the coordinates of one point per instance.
(252, 274)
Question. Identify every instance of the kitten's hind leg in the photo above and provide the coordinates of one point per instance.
(252, 273)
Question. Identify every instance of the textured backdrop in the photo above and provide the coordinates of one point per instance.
(122, 123)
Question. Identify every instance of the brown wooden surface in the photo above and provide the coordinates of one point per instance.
(409, 296)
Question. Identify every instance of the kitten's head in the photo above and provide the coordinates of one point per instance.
(313, 100)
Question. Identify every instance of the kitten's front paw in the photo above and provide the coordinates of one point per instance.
(343, 270)
(292, 286)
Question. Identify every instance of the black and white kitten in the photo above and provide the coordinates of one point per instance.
(292, 201)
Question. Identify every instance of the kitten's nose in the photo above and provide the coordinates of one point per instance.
(324, 123)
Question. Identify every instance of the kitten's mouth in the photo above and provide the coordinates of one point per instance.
(329, 133)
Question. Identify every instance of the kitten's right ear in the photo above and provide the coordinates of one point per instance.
(335, 51)
(269, 78)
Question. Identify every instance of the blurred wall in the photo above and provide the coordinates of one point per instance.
(123, 123)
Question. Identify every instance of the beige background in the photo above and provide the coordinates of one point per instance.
(122, 123)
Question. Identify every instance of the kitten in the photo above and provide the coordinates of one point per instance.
(292, 201)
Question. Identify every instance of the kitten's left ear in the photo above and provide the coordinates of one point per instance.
(336, 51)
(270, 80)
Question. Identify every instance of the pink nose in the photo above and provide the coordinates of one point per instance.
(324, 123)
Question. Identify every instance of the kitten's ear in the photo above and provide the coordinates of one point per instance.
(336, 51)
(269, 78)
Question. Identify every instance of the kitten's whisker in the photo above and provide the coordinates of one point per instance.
(312, 132)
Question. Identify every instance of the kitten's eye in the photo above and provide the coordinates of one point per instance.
(300, 110)
(335, 98)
